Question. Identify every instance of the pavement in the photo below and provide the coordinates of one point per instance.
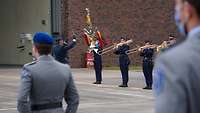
(105, 98)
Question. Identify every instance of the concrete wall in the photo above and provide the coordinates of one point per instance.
(136, 19)
(21, 16)
(8, 35)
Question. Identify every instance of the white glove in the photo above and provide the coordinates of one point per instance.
(74, 40)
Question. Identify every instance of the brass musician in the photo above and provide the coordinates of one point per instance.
(114, 46)
(147, 52)
(120, 49)
(158, 48)
(167, 44)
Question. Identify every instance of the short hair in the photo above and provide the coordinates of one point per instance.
(196, 4)
(123, 38)
(147, 41)
(170, 35)
(44, 49)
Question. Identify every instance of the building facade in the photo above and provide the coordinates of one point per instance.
(138, 20)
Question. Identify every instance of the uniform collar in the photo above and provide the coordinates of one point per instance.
(194, 31)
(45, 58)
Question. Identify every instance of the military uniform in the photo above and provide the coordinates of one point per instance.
(98, 67)
(147, 65)
(60, 53)
(45, 83)
(123, 62)
(177, 76)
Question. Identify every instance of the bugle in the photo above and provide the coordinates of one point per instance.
(106, 50)
(162, 46)
(113, 47)
(131, 51)
(138, 49)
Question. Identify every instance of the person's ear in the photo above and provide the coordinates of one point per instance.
(187, 10)
(35, 52)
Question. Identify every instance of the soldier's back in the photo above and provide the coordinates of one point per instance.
(50, 80)
(181, 69)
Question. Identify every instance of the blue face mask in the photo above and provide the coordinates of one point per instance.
(179, 24)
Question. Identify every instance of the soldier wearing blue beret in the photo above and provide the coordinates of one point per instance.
(46, 82)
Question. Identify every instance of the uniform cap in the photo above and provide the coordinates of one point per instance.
(42, 38)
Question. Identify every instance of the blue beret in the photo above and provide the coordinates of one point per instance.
(42, 38)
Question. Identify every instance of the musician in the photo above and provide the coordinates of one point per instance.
(171, 41)
(60, 51)
(124, 61)
(97, 63)
(147, 53)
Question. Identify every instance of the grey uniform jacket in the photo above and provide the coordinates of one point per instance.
(47, 81)
(177, 77)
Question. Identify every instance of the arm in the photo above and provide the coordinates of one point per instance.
(141, 53)
(150, 53)
(23, 105)
(125, 49)
(70, 45)
(71, 96)
(117, 51)
(169, 90)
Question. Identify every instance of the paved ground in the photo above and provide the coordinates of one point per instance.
(105, 98)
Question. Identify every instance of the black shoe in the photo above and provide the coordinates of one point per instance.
(123, 85)
(97, 82)
(147, 87)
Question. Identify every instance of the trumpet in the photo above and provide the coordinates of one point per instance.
(106, 50)
(113, 47)
(162, 46)
(153, 46)
(131, 51)
(138, 49)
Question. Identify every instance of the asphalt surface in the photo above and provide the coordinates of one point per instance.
(105, 98)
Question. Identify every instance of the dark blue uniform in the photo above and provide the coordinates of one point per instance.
(123, 62)
(147, 55)
(98, 67)
(60, 53)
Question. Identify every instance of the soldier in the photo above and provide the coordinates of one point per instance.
(60, 51)
(147, 53)
(97, 63)
(45, 82)
(177, 70)
(124, 61)
(171, 41)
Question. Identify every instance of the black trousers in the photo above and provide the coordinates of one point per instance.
(148, 70)
(124, 67)
(124, 72)
(98, 67)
